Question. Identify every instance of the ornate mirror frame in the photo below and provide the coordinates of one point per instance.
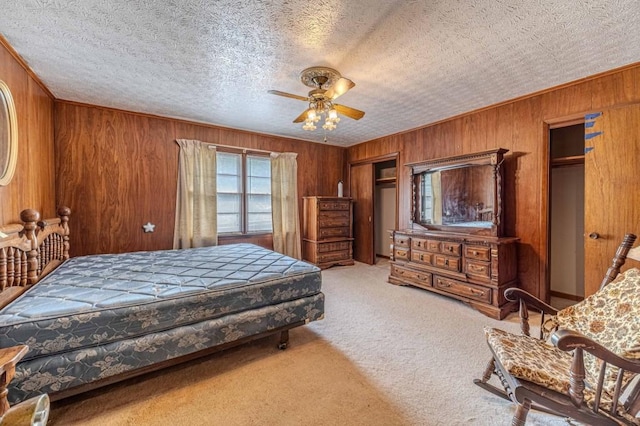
(492, 224)
(8, 135)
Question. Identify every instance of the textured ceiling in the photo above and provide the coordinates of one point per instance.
(413, 62)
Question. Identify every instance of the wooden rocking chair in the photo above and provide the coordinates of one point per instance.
(585, 363)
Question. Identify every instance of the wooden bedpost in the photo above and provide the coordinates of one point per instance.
(30, 218)
(64, 213)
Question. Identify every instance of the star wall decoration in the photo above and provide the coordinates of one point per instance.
(149, 227)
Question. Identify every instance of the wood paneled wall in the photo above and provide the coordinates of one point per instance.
(33, 184)
(118, 170)
(521, 127)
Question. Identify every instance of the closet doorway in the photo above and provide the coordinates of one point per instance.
(566, 212)
(384, 207)
(372, 185)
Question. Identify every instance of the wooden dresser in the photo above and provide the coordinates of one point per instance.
(474, 269)
(327, 231)
(455, 245)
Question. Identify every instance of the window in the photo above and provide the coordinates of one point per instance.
(244, 193)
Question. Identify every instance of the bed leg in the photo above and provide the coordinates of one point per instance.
(284, 340)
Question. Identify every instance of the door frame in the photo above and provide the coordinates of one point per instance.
(545, 217)
(373, 160)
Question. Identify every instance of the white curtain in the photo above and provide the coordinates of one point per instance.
(284, 204)
(436, 188)
(196, 207)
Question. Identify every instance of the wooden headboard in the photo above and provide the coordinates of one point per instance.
(31, 250)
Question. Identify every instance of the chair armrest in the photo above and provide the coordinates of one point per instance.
(525, 301)
(568, 340)
(517, 294)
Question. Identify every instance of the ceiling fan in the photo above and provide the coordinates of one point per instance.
(327, 84)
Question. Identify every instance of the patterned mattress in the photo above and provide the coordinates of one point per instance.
(102, 299)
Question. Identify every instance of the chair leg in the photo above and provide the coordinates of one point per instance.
(483, 382)
(520, 418)
(491, 367)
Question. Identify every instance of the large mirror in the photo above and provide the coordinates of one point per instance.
(8, 135)
(461, 194)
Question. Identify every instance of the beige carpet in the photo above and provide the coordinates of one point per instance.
(384, 355)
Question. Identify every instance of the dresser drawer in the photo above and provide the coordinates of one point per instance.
(433, 245)
(333, 256)
(334, 232)
(453, 249)
(446, 262)
(419, 243)
(422, 279)
(463, 289)
(334, 205)
(401, 240)
(340, 245)
(333, 213)
(421, 257)
(329, 222)
(477, 252)
(481, 269)
(401, 254)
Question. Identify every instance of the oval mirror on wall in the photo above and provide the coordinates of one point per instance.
(8, 135)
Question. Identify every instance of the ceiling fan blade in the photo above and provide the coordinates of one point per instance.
(301, 117)
(339, 88)
(288, 95)
(356, 114)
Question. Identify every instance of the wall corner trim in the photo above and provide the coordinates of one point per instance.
(4, 42)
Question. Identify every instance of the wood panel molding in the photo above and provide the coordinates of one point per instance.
(590, 78)
(25, 66)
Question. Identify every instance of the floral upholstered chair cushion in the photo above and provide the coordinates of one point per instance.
(531, 359)
(611, 317)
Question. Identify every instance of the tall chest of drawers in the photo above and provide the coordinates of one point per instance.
(474, 269)
(327, 231)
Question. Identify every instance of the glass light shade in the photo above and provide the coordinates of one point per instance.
(311, 115)
(328, 125)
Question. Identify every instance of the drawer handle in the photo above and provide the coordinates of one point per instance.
(475, 253)
(450, 248)
(476, 267)
(419, 243)
(446, 262)
(477, 292)
(422, 257)
(444, 284)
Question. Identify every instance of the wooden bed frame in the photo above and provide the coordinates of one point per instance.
(31, 250)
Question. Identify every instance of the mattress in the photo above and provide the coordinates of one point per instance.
(101, 299)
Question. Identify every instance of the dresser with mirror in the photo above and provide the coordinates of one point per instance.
(455, 244)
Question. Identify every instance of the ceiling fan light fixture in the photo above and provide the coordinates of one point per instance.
(333, 115)
(327, 85)
(329, 125)
(312, 115)
(308, 125)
